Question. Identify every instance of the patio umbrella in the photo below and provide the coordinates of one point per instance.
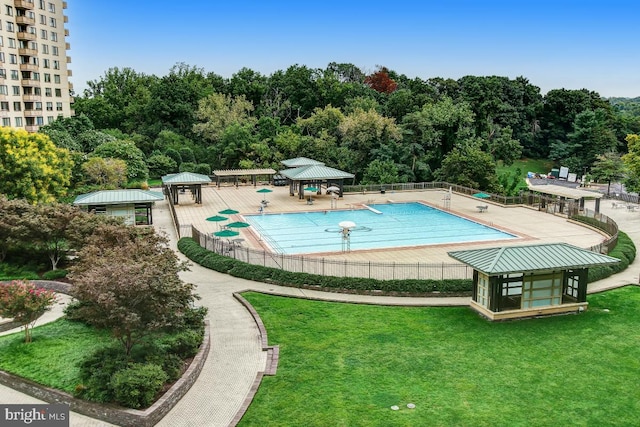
(264, 191)
(217, 218)
(482, 195)
(238, 224)
(228, 212)
(312, 189)
(333, 189)
(226, 233)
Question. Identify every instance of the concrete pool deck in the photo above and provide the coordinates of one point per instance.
(530, 225)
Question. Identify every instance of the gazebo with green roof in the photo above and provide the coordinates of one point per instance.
(526, 281)
(175, 183)
(134, 205)
(308, 172)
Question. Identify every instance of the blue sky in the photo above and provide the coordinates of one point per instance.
(555, 44)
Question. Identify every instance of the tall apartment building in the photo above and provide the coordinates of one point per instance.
(34, 74)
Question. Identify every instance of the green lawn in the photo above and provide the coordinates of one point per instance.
(346, 365)
(52, 358)
(541, 166)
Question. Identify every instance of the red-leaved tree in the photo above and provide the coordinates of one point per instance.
(23, 302)
(381, 82)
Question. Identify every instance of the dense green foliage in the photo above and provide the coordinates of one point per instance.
(382, 127)
(625, 251)
(347, 364)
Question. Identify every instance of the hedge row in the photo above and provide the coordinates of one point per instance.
(192, 250)
(625, 251)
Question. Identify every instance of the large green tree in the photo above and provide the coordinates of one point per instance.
(32, 167)
(125, 150)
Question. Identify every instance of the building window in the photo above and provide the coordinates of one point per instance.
(58, 93)
(52, 22)
(56, 64)
(54, 36)
(50, 119)
(3, 73)
(1, 56)
(1, 41)
(18, 122)
(39, 121)
(15, 75)
(52, 8)
(49, 106)
(47, 91)
(45, 48)
(36, 76)
(44, 34)
(12, 42)
(17, 106)
(13, 59)
(9, 11)
(16, 90)
(37, 91)
(4, 105)
(33, 45)
(59, 106)
(43, 19)
(38, 106)
(6, 121)
(4, 90)
(9, 27)
(47, 77)
(41, 4)
(54, 50)
(56, 78)
(45, 63)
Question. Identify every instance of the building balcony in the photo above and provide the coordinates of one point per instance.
(69, 73)
(66, 19)
(32, 113)
(66, 32)
(31, 98)
(32, 128)
(28, 67)
(25, 20)
(23, 4)
(64, 5)
(27, 52)
(67, 45)
(26, 36)
(68, 60)
(30, 83)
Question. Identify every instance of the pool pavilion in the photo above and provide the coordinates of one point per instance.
(305, 172)
(526, 281)
(134, 206)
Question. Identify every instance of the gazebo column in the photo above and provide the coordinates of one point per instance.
(301, 190)
(597, 205)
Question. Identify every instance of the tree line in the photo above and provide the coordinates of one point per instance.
(383, 127)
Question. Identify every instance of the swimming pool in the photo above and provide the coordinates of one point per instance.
(390, 225)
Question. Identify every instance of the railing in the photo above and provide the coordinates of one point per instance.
(391, 270)
(333, 267)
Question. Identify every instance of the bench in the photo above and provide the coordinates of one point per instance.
(482, 208)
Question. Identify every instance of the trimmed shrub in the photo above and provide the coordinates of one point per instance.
(55, 274)
(184, 344)
(137, 385)
(96, 372)
(625, 251)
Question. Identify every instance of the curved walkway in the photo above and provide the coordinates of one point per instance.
(236, 355)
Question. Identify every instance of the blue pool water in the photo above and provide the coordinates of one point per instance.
(397, 225)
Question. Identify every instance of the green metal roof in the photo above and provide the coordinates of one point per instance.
(517, 259)
(185, 178)
(314, 172)
(300, 161)
(117, 197)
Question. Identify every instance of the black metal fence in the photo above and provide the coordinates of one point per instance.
(391, 270)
